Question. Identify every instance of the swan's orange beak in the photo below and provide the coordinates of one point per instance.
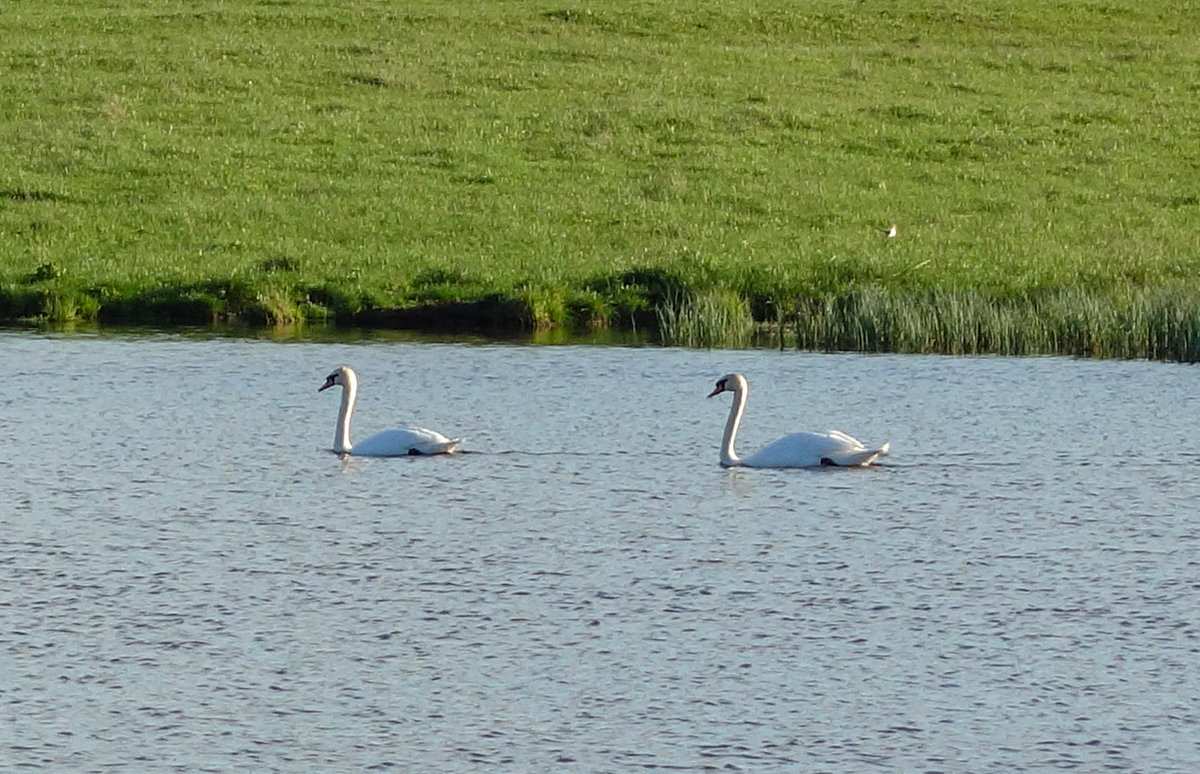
(720, 389)
(328, 383)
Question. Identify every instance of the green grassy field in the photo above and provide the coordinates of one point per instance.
(688, 164)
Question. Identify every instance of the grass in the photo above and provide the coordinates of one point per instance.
(716, 318)
(1158, 324)
(517, 165)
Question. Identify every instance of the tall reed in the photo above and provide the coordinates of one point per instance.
(1157, 323)
(710, 318)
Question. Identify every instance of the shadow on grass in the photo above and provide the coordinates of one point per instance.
(23, 195)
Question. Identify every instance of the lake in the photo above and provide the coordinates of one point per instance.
(193, 582)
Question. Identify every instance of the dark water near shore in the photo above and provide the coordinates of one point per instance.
(191, 582)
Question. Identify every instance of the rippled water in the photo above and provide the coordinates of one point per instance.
(192, 582)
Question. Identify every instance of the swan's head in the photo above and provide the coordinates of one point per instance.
(729, 383)
(343, 375)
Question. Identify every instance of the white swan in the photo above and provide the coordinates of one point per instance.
(390, 443)
(798, 450)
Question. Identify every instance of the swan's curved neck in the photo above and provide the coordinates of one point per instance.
(729, 457)
(341, 439)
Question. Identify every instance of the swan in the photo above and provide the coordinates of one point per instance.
(408, 441)
(798, 450)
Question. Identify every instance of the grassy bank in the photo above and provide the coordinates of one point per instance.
(694, 166)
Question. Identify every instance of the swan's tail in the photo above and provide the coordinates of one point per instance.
(447, 447)
(857, 456)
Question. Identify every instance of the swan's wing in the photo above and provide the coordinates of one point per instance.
(853, 451)
(847, 442)
(405, 442)
(810, 450)
(859, 456)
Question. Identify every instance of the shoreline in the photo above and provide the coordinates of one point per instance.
(1153, 323)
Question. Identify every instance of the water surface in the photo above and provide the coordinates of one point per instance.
(192, 582)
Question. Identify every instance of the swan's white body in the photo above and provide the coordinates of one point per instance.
(405, 442)
(798, 450)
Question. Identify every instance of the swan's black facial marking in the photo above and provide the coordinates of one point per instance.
(414, 453)
(329, 382)
(720, 388)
